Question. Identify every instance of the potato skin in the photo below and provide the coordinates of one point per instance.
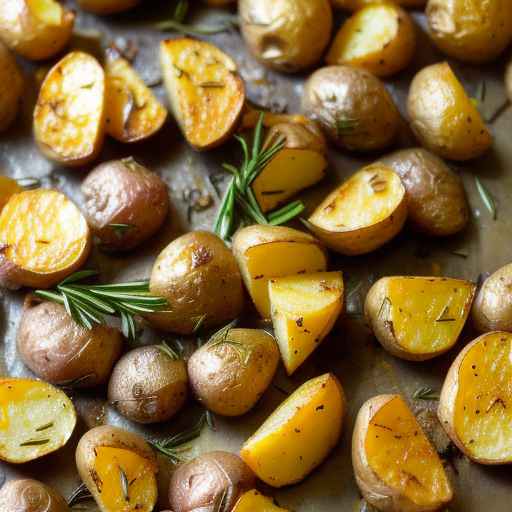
(436, 198)
(354, 5)
(198, 275)
(104, 7)
(297, 42)
(124, 192)
(335, 95)
(27, 495)
(59, 350)
(11, 87)
(197, 484)
(147, 386)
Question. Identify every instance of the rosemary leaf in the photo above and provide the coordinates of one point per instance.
(196, 30)
(29, 182)
(124, 484)
(486, 198)
(45, 427)
(168, 351)
(221, 501)
(81, 493)
(35, 442)
(425, 393)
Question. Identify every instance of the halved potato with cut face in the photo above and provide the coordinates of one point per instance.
(253, 501)
(8, 187)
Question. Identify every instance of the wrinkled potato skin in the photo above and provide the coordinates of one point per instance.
(354, 5)
(196, 485)
(124, 192)
(198, 275)
(475, 31)
(297, 42)
(147, 386)
(103, 7)
(30, 496)
(223, 382)
(11, 88)
(344, 93)
(59, 350)
(436, 198)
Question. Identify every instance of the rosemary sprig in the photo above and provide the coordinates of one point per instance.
(81, 493)
(425, 393)
(221, 337)
(123, 479)
(486, 198)
(169, 351)
(88, 304)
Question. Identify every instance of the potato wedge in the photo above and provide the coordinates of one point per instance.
(299, 434)
(304, 309)
(119, 469)
(26, 495)
(418, 318)
(265, 252)
(8, 187)
(395, 465)
(474, 407)
(43, 238)
(443, 117)
(380, 38)
(133, 111)
(206, 93)
(11, 88)
(104, 7)
(36, 419)
(253, 501)
(69, 118)
(364, 213)
(36, 29)
(354, 5)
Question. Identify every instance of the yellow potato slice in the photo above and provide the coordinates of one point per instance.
(253, 501)
(133, 111)
(364, 213)
(43, 238)
(35, 419)
(69, 118)
(206, 94)
(299, 434)
(304, 309)
(8, 187)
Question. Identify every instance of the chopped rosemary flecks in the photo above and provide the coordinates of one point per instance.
(81, 493)
(345, 126)
(35, 442)
(120, 229)
(425, 393)
(443, 317)
(221, 337)
(199, 323)
(45, 427)
(124, 484)
(486, 198)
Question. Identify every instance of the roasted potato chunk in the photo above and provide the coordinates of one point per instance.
(354, 5)
(253, 501)
(443, 117)
(43, 239)
(206, 94)
(11, 88)
(107, 6)
(395, 465)
(8, 187)
(27, 495)
(37, 419)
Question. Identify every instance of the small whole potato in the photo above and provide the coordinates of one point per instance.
(11, 87)
(125, 203)
(199, 277)
(353, 108)
(197, 485)
(26, 495)
(148, 385)
(289, 35)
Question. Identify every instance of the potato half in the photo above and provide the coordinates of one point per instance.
(299, 434)
(418, 318)
(354, 5)
(69, 118)
(253, 501)
(37, 419)
(396, 466)
(8, 187)
(265, 252)
(380, 38)
(364, 213)
(206, 93)
(119, 469)
(443, 117)
(107, 6)
(474, 407)
(304, 309)
(11, 88)
(27, 495)
(43, 238)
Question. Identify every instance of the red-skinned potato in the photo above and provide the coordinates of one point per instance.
(26, 495)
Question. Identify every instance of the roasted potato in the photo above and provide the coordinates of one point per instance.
(354, 5)
(299, 434)
(30, 496)
(229, 374)
(8, 187)
(364, 213)
(418, 318)
(443, 117)
(475, 31)
(60, 351)
(11, 88)
(396, 466)
(304, 309)
(36, 29)
(198, 485)
(199, 277)
(43, 239)
(380, 38)
(289, 35)
(205, 91)
(149, 384)
(436, 199)
(266, 252)
(474, 405)
(37, 419)
(119, 469)
(353, 108)
(107, 6)
(253, 501)
(252, 115)
(125, 203)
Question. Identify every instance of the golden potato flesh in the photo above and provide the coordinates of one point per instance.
(475, 400)
(8, 187)
(107, 6)
(253, 501)
(43, 238)
(354, 5)
(205, 92)
(289, 35)
(11, 89)
(69, 118)
(443, 117)
(27, 495)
